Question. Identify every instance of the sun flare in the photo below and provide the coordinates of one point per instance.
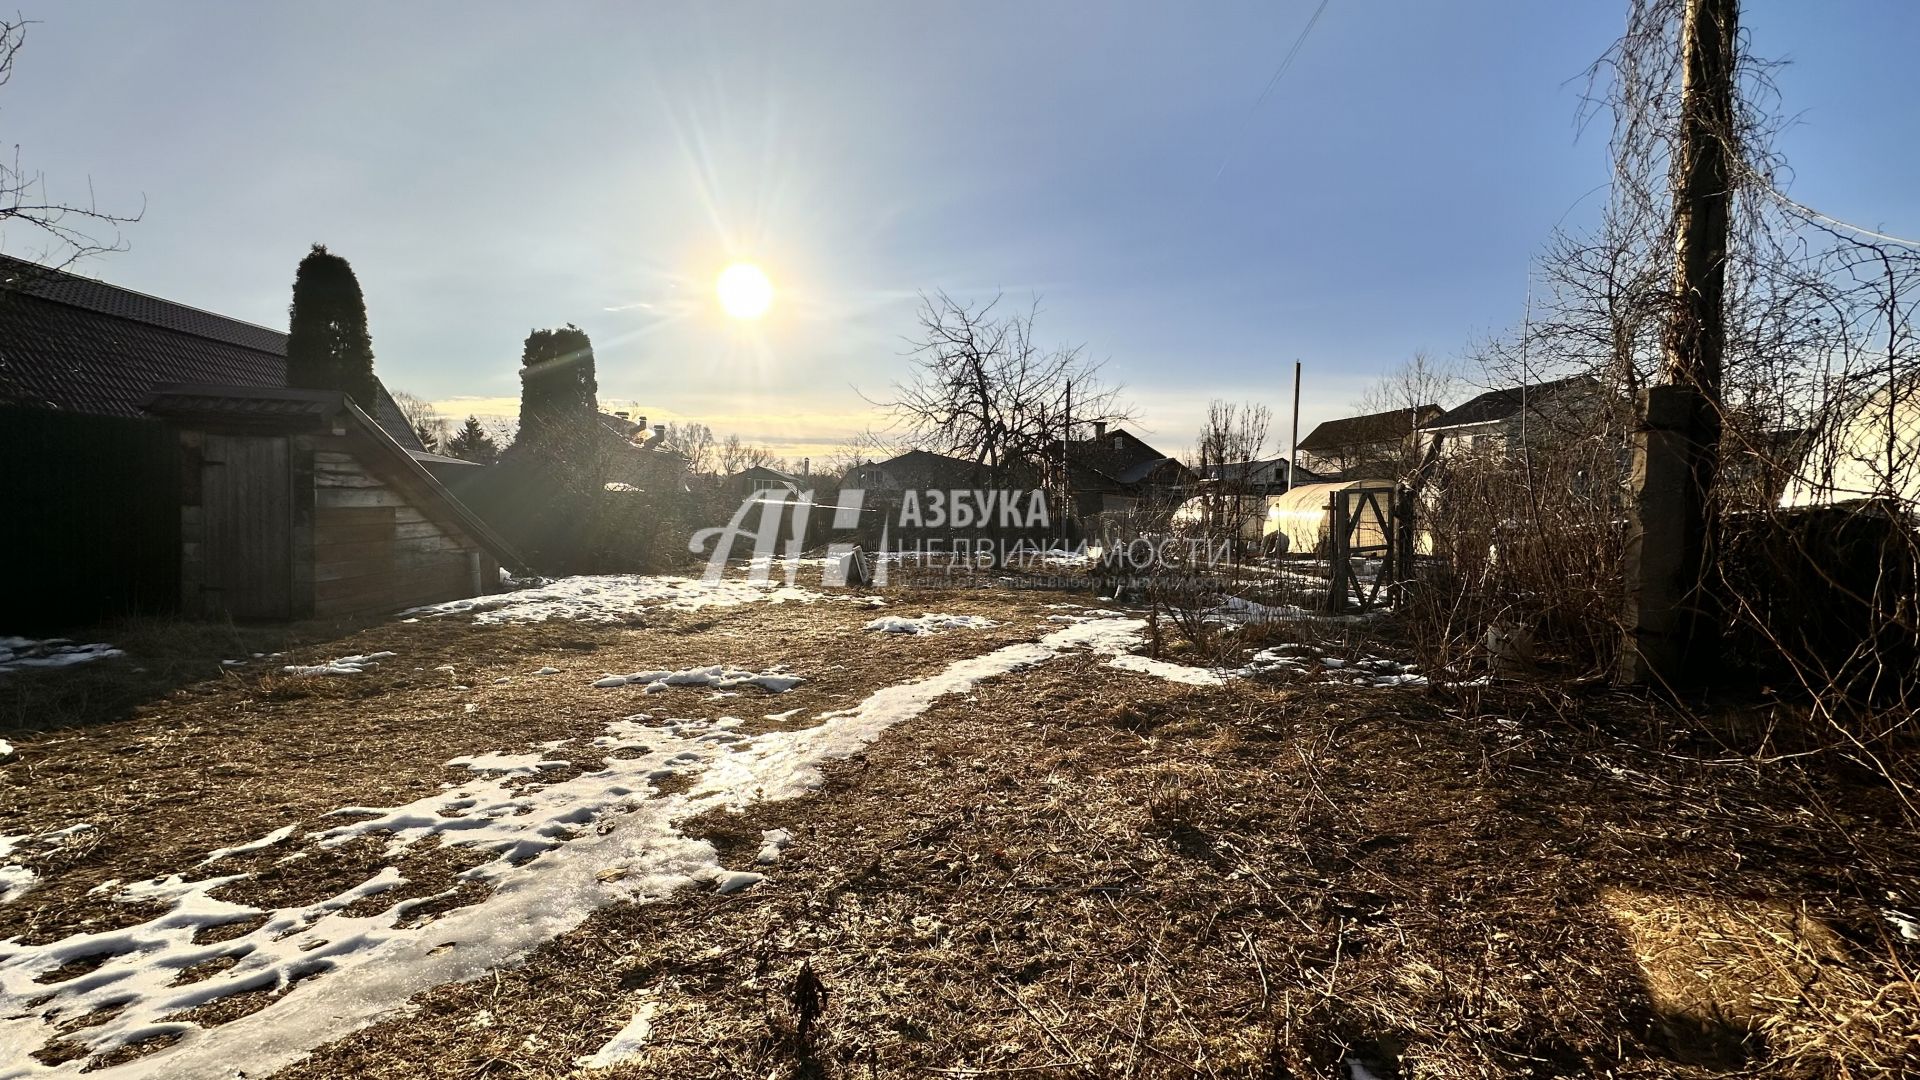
(744, 291)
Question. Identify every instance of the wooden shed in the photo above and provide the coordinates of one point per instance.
(295, 504)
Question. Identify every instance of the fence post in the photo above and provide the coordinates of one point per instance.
(1404, 538)
(1339, 553)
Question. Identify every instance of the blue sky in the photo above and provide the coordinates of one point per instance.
(493, 168)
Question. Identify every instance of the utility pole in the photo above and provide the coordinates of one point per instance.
(1293, 447)
(1673, 614)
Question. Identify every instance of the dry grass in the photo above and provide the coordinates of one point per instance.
(1079, 875)
(164, 776)
(1074, 871)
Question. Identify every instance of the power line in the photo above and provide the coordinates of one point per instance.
(1278, 73)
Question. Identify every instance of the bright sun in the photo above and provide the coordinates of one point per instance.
(744, 291)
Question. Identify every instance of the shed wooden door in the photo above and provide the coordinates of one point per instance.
(246, 504)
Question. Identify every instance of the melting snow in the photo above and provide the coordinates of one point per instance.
(517, 764)
(559, 852)
(345, 665)
(772, 843)
(929, 623)
(267, 841)
(1180, 673)
(18, 652)
(735, 880)
(614, 599)
(1908, 926)
(722, 676)
(626, 1046)
(15, 882)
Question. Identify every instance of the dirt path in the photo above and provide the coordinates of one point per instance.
(1052, 867)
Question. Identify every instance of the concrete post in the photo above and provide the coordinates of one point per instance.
(1668, 617)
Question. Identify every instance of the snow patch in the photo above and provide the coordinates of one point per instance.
(720, 676)
(735, 880)
(559, 852)
(267, 841)
(346, 665)
(614, 599)
(515, 764)
(17, 653)
(772, 843)
(1162, 669)
(15, 882)
(929, 623)
(627, 1045)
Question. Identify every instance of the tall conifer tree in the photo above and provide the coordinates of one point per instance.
(557, 389)
(328, 347)
(472, 443)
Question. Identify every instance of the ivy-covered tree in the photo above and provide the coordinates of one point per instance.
(557, 390)
(472, 443)
(328, 347)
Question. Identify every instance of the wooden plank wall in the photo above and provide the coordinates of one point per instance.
(373, 548)
(245, 527)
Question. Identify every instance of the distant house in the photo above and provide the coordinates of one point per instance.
(639, 456)
(96, 490)
(1501, 420)
(626, 455)
(1370, 447)
(1116, 471)
(1875, 453)
(758, 478)
(1265, 476)
(920, 470)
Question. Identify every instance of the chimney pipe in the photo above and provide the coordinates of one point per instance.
(1099, 429)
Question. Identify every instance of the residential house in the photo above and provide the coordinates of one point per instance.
(639, 456)
(1116, 470)
(755, 479)
(1500, 421)
(98, 489)
(1265, 476)
(1236, 497)
(918, 470)
(1377, 446)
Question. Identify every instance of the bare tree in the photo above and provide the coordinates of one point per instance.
(761, 457)
(731, 455)
(856, 452)
(695, 443)
(1225, 456)
(734, 454)
(69, 230)
(983, 389)
(1413, 388)
(430, 427)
